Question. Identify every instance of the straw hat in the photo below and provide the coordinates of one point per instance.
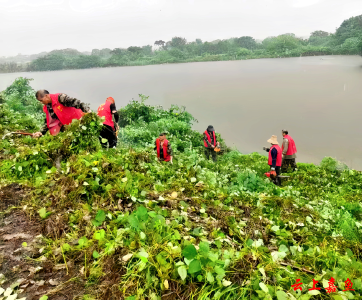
(273, 140)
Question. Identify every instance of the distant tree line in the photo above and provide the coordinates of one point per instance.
(347, 40)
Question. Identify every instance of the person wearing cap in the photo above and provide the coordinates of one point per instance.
(275, 158)
(210, 143)
(163, 147)
(289, 151)
(60, 110)
(108, 110)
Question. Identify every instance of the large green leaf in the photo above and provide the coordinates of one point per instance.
(195, 266)
(43, 213)
(99, 235)
(133, 221)
(189, 252)
(282, 295)
(83, 242)
(283, 248)
(204, 248)
(100, 216)
(142, 213)
(210, 278)
(99, 219)
(182, 272)
(66, 247)
(162, 258)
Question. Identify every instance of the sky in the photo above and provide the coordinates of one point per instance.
(34, 26)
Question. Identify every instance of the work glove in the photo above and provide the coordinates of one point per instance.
(37, 134)
(273, 169)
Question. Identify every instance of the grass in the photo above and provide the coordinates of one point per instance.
(128, 227)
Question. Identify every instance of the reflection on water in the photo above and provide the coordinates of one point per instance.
(318, 99)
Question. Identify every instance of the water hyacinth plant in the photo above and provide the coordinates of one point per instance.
(129, 227)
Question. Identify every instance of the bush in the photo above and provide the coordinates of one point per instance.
(332, 165)
(20, 96)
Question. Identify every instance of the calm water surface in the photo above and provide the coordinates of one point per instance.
(318, 99)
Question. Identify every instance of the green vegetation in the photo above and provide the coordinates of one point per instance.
(347, 40)
(129, 227)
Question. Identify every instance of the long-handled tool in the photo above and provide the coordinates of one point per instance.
(22, 133)
(268, 174)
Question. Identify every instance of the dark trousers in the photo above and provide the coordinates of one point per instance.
(286, 162)
(211, 151)
(276, 181)
(110, 135)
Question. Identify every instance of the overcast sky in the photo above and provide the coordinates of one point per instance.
(33, 26)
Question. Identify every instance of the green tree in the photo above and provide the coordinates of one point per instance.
(281, 43)
(96, 52)
(320, 38)
(351, 45)
(359, 47)
(65, 52)
(177, 42)
(119, 51)
(160, 43)
(147, 50)
(48, 62)
(134, 49)
(87, 61)
(177, 53)
(348, 29)
(319, 33)
(105, 52)
(246, 42)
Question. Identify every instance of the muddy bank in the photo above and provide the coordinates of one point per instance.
(24, 270)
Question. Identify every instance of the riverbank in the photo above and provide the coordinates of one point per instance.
(118, 224)
(238, 95)
(205, 58)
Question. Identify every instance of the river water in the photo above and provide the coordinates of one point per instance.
(318, 99)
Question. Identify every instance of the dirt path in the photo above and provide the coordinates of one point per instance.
(23, 268)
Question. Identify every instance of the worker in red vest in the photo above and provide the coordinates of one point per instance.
(163, 147)
(210, 143)
(289, 152)
(60, 109)
(275, 159)
(108, 110)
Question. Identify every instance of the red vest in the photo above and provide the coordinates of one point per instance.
(166, 157)
(209, 138)
(291, 145)
(104, 110)
(279, 156)
(65, 114)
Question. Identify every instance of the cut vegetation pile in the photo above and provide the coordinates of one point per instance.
(117, 224)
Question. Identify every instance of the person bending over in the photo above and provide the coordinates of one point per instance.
(109, 132)
(210, 143)
(163, 147)
(60, 110)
